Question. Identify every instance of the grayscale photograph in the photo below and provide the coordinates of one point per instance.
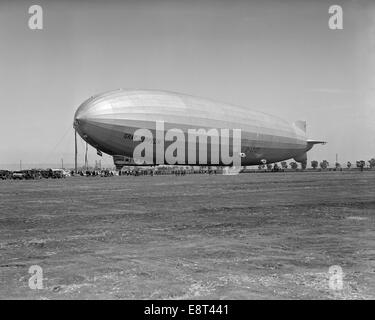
(186, 150)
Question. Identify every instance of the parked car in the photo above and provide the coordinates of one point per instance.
(58, 173)
(18, 175)
(32, 174)
(5, 174)
(46, 173)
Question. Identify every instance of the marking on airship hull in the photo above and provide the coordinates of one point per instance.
(140, 138)
(252, 150)
(128, 136)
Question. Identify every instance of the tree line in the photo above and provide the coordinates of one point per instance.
(361, 164)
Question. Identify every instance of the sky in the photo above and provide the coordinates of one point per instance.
(279, 57)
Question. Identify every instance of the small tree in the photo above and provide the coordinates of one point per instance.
(269, 166)
(284, 165)
(372, 163)
(293, 165)
(324, 164)
(337, 165)
(360, 164)
(314, 164)
(349, 164)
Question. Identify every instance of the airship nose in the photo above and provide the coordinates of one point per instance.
(81, 114)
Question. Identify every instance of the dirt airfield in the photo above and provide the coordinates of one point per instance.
(251, 236)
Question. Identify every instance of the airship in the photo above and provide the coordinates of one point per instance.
(114, 122)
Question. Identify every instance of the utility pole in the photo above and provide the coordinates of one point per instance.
(62, 163)
(75, 151)
(86, 162)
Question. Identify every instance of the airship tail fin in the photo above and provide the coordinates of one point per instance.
(302, 158)
(312, 142)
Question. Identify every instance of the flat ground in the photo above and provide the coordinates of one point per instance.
(265, 235)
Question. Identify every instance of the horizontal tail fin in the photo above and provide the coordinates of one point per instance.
(312, 142)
